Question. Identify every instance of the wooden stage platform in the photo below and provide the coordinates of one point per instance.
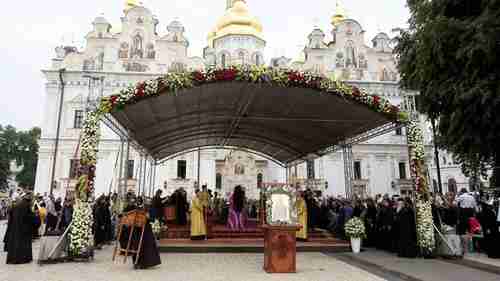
(238, 245)
(223, 240)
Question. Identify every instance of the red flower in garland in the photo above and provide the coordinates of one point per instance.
(199, 77)
(113, 99)
(226, 75)
(356, 92)
(376, 101)
(140, 90)
(296, 78)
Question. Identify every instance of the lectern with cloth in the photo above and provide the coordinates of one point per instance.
(280, 230)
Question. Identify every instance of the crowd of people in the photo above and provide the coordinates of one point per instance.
(31, 216)
(390, 222)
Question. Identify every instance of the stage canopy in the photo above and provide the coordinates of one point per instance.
(285, 123)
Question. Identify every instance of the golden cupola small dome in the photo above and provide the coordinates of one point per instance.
(340, 14)
(238, 21)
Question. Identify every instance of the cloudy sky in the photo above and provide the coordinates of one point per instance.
(31, 29)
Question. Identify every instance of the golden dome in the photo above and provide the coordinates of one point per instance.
(339, 15)
(129, 4)
(236, 20)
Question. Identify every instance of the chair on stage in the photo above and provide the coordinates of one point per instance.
(131, 220)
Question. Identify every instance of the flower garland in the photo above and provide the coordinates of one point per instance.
(81, 231)
(425, 228)
(355, 228)
(173, 82)
(81, 228)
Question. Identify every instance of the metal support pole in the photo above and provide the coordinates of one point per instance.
(139, 177)
(120, 174)
(58, 131)
(144, 175)
(348, 169)
(127, 175)
(150, 184)
(287, 175)
(154, 177)
(199, 165)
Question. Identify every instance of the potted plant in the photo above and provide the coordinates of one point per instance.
(355, 229)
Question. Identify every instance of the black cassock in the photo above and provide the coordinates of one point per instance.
(181, 207)
(407, 234)
(149, 255)
(19, 234)
(99, 224)
(384, 225)
(488, 220)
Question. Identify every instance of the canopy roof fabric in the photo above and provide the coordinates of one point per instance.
(286, 124)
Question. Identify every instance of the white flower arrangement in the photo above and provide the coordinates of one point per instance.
(156, 227)
(425, 229)
(90, 138)
(355, 228)
(81, 229)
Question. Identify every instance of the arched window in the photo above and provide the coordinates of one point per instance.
(260, 179)
(350, 55)
(385, 75)
(241, 56)
(257, 59)
(223, 60)
(452, 185)
(218, 181)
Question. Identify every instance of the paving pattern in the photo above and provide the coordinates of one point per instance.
(184, 267)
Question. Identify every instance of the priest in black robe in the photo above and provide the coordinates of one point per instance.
(19, 232)
(385, 223)
(99, 223)
(149, 255)
(181, 207)
(407, 231)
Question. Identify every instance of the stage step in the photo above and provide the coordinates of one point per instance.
(235, 245)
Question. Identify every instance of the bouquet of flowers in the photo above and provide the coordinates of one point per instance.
(355, 228)
(156, 226)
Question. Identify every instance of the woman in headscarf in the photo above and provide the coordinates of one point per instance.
(236, 219)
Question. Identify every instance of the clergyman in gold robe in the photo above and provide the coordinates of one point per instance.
(198, 227)
(301, 208)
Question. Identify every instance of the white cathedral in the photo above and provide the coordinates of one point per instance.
(142, 50)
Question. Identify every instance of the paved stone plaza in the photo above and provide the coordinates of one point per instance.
(371, 265)
(183, 267)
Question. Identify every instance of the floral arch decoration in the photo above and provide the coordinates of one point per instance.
(171, 83)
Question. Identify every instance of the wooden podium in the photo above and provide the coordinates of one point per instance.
(132, 219)
(280, 249)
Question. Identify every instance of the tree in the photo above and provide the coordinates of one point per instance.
(27, 156)
(21, 146)
(450, 54)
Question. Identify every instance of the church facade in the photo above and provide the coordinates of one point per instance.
(141, 50)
